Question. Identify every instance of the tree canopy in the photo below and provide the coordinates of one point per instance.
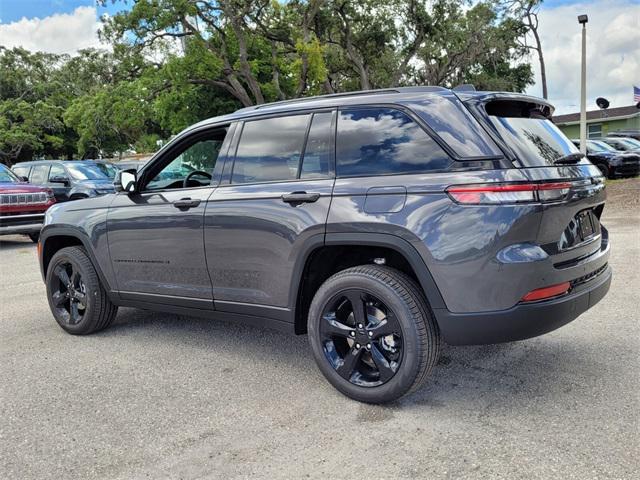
(170, 63)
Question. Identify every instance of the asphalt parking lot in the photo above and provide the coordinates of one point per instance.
(164, 396)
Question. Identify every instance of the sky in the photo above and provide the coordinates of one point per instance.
(613, 42)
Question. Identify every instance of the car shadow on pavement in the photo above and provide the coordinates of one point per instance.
(497, 376)
(14, 243)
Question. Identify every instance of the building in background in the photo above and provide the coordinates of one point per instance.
(600, 123)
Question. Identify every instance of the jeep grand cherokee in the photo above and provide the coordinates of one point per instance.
(379, 223)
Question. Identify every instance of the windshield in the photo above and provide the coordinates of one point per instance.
(86, 172)
(108, 169)
(534, 139)
(7, 176)
(599, 146)
(631, 143)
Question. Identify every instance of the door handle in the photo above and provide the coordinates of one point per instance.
(296, 198)
(186, 203)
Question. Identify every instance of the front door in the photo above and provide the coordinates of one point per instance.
(274, 200)
(156, 234)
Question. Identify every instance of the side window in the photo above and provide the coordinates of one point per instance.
(379, 141)
(21, 171)
(57, 171)
(196, 162)
(270, 149)
(317, 152)
(39, 174)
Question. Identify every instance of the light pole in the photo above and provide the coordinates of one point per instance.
(583, 19)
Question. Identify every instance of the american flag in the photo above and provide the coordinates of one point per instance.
(636, 94)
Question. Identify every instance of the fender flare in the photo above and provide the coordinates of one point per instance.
(392, 242)
(75, 232)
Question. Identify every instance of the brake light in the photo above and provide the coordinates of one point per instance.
(547, 292)
(509, 193)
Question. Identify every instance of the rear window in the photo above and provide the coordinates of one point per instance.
(534, 139)
(383, 141)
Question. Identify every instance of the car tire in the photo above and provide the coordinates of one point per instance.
(391, 301)
(604, 169)
(76, 297)
(34, 236)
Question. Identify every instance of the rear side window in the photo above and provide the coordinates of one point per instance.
(39, 174)
(383, 141)
(22, 171)
(270, 149)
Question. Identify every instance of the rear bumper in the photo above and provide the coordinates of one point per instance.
(525, 320)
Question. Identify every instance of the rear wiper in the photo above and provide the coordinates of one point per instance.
(570, 158)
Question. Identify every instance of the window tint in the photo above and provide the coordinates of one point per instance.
(317, 152)
(378, 141)
(57, 171)
(199, 157)
(270, 149)
(39, 174)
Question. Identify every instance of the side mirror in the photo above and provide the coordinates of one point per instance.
(126, 180)
(24, 179)
(62, 180)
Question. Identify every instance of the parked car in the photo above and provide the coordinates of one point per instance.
(623, 144)
(69, 180)
(22, 206)
(376, 222)
(630, 133)
(611, 162)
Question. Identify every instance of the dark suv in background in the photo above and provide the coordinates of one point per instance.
(611, 162)
(69, 180)
(377, 222)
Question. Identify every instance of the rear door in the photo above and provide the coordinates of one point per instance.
(273, 200)
(155, 235)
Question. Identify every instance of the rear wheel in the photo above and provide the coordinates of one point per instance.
(77, 300)
(372, 333)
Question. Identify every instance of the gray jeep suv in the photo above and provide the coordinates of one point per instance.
(379, 223)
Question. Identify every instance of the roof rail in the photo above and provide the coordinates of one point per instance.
(382, 91)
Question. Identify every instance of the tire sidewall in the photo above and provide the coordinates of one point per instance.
(88, 278)
(404, 378)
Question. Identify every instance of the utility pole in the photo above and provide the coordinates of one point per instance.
(583, 19)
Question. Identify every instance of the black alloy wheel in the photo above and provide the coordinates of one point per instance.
(361, 337)
(372, 333)
(76, 296)
(69, 293)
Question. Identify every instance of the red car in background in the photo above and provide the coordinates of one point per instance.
(22, 205)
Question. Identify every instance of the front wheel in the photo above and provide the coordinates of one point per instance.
(372, 333)
(604, 169)
(76, 297)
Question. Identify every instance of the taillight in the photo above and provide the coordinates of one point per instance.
(547, 292)
(509, 193)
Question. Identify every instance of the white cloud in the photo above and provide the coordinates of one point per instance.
(613, 55)
(59, 33)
